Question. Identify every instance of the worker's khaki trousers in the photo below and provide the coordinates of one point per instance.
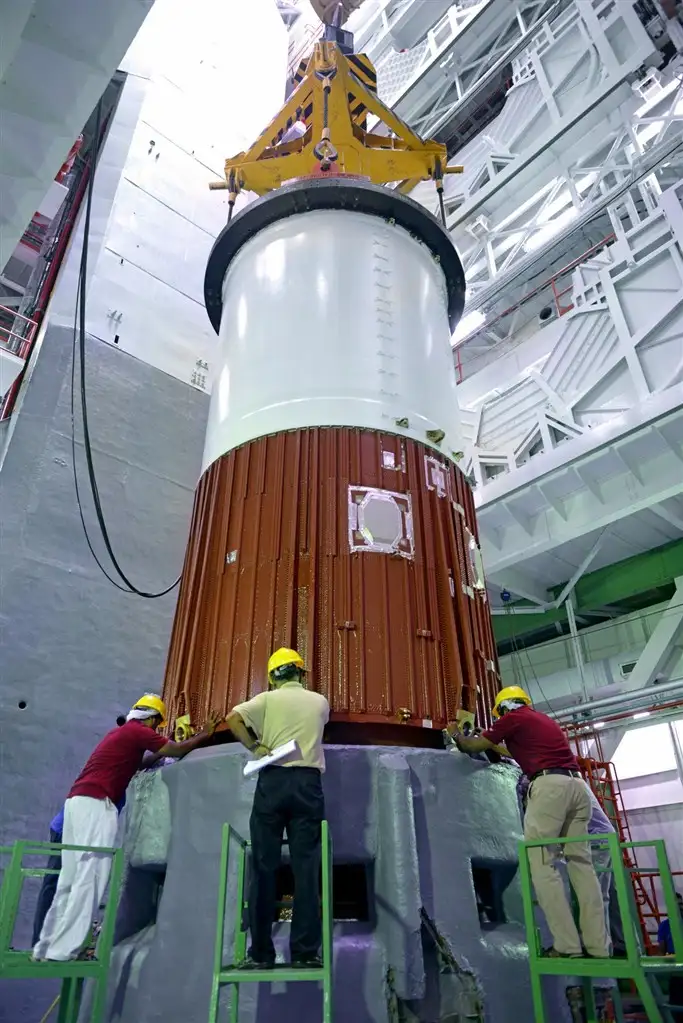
(559, 805)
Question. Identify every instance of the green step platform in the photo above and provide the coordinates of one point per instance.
(19, 965)
(645, 972)
(231, 974)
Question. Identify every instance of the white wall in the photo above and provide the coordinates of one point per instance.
(648, 823)
(550, 672)
(201, 96)
(646, 753)
(652, 789)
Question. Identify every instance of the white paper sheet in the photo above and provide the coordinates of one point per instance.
(290, 751)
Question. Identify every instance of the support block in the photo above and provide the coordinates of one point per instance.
(440, 934)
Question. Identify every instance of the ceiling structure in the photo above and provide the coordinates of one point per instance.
(567, 117)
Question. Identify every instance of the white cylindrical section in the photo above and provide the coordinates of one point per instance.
(333, 318)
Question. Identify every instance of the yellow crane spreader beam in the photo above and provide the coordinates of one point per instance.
(333, 100)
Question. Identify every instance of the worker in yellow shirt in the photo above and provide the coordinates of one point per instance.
(289, 797)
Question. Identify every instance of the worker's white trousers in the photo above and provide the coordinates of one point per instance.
(83, 878)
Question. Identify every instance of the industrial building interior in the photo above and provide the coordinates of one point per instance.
(554, 439)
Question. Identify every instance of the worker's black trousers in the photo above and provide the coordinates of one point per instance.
(287, 799)
(676, 997)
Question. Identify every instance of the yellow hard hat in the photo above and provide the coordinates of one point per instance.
(510, 693)
(154, 703)
(285, 656)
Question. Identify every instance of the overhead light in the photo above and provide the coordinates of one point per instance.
(468, 325)
(641, 714)
(599, 724)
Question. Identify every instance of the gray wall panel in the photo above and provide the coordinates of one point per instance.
(77, 650)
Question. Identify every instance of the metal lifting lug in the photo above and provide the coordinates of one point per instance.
(183, 728)
(325, 153)
(435, 436)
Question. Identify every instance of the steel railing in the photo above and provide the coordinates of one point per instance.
(17, 332)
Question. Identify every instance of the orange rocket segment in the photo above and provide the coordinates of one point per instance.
(355, 547)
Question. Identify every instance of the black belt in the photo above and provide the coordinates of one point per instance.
(569, 772)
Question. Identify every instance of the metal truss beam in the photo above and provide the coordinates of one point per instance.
(475, 50)
(567, 511)
(485, 297)
(660, 651)
(593, 151)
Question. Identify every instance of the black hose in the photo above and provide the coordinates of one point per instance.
(442, 205)
(79, 333)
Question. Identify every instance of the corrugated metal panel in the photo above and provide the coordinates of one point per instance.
(270, 564)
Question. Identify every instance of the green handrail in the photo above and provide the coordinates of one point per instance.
(14, 964)
(642, 970)
(663, 869)
(232, 975)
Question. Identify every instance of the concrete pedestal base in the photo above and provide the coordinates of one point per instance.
(437, 834)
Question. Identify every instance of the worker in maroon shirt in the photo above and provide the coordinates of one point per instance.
(559, 805)
(90, 819)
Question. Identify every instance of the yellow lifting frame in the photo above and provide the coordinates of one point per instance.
(334, 136)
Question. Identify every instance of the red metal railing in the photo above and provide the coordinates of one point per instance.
(603, 781)
(17, 332)
(548, 283)
(557, 295)
(47, 285)
(67, 166)
(458, 367)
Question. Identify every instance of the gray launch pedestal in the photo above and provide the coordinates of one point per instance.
(425, 855)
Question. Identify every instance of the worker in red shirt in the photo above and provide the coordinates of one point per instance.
(91, 818)
(559, 805)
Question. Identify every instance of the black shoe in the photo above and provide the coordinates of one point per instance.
(552, 953)
(249, 963)
(313, 962)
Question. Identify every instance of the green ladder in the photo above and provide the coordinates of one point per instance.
(644, 971)
(19, 965)
(232, 974)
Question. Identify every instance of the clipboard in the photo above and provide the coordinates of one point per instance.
(289, 751)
